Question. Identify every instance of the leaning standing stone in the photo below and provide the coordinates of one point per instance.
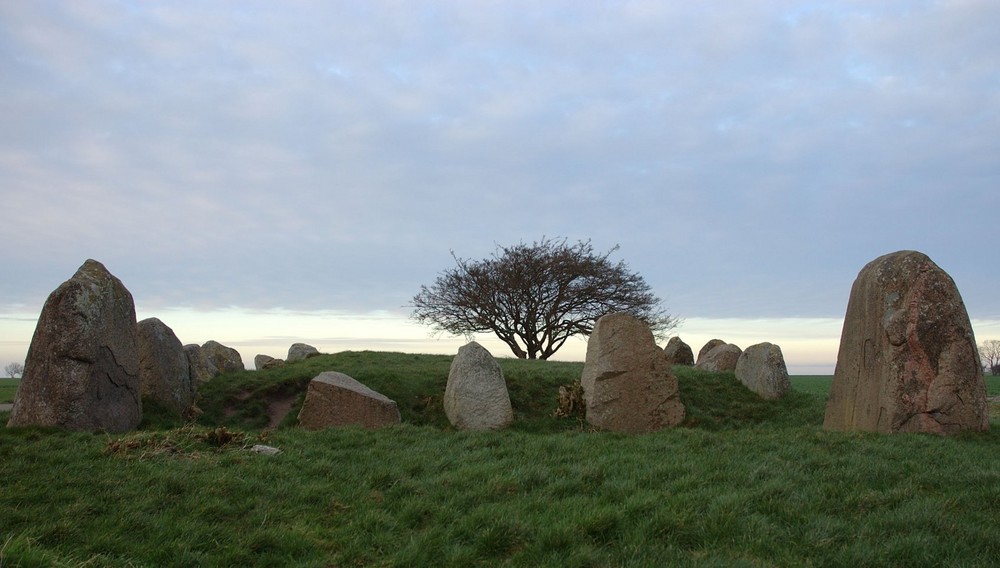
(908, 360)
(627, 380)
(335, 399)
(82, 369)
(475, 397)
(164, 370)
(761, 368)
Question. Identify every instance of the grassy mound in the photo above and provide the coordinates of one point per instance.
(714, 401)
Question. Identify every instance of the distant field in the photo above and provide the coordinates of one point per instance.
(812, 384)
(820, 384)
(992, 386)
(7, 389)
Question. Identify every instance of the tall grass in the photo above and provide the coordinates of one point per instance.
(744, 482)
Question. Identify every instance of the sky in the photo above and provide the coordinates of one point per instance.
(261, 173)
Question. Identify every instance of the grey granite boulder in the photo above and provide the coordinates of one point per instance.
(226, 359)
(300, 351)
(678, 352)
(164, 370)
(202, 368)
(707, 347)
(262, 361)
(627, 380)
(720, 358)
(761, 368)
(476, 397)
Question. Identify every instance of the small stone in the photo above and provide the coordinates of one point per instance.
(266, 450)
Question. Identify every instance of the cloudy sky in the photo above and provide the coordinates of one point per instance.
(263, 172)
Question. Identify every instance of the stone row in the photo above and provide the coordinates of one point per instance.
(907, 363)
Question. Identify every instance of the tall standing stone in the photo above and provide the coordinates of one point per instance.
(908, 360)
(761, 368)
(627, 380)
(678, 352)
(82, 369)
(164, 370)
(476, 397)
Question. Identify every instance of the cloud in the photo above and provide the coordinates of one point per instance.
(750, 159)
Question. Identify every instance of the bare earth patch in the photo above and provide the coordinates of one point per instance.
(278, 407)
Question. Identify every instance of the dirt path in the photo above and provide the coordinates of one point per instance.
(6, 407)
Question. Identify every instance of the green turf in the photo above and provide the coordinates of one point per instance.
(8, 388)
(743, 482)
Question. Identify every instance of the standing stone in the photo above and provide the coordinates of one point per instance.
(627, 380)
(202, 368)
(908, 360)
(164, 370)
(761, 368)
(225, 359)
(678, 352)
(475, 397)
(335, 399)
(705, 349)
(300, 351)
(261, 362)
(82, 369)
(720, 359)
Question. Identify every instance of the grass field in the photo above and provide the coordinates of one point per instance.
(8, 387)
(743, 482)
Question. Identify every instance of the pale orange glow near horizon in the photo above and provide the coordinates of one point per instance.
(809, 345)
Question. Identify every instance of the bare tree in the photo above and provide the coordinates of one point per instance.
(535, 297)
(989, 352)
(14, 370)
